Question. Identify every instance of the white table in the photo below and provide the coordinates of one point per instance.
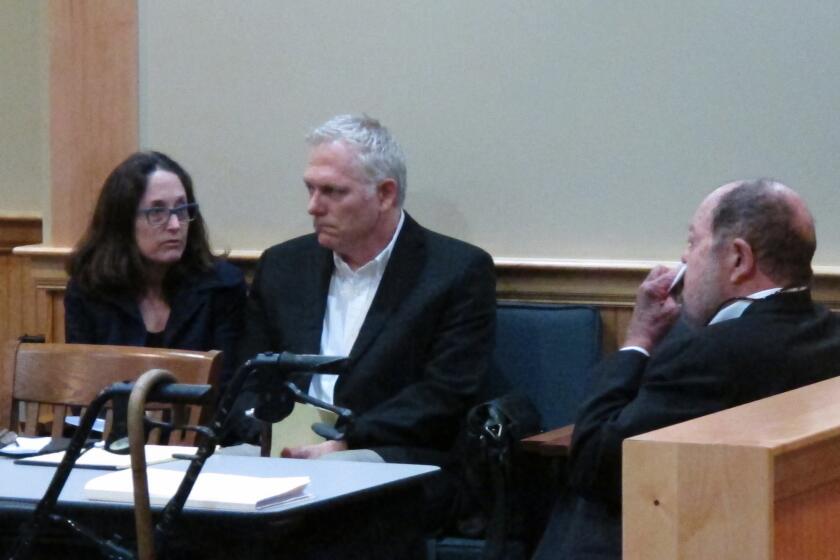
(354, 509)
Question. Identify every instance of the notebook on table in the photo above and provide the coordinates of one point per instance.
(216, 491)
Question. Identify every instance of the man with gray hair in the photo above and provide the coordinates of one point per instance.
(749, 330)
(414, 310)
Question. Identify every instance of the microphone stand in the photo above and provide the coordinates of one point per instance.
(324, 430)
(284, 361)
(167, 392)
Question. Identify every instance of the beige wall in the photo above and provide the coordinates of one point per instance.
(565, 129)
(560, 129)
(24, 168)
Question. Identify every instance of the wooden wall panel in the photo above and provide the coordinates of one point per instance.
(49, 281)
(609, 286)
(17, 290)
(534, 283)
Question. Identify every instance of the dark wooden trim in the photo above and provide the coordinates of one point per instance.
(19, 230)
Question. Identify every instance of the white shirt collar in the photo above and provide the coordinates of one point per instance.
(737, 308)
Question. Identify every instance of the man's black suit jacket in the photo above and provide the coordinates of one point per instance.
(780, 343)
(422, 351)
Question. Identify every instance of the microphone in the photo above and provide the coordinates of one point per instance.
(309, 363)
(272, 406)
(276, 395)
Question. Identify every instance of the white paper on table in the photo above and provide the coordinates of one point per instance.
(26, 445)
(231, 492)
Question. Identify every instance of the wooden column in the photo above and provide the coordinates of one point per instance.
(93, 104)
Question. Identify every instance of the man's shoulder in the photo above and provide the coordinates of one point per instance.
(779, 314)
(716, 339)
(451, 248)
(764, 333)
(303, 246)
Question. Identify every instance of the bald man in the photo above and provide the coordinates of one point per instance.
(748, 330)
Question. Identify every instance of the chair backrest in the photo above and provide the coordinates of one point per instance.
(50, 378)
(546, 352)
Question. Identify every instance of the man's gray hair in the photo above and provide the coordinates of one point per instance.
(758, 212)
(379, 154)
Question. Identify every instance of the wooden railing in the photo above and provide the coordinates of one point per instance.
(759, 481)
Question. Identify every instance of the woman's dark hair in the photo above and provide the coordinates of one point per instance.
(107, 260)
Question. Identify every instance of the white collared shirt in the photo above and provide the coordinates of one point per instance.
(737, 308)
(348, 301)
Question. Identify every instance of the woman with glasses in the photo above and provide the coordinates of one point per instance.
(143, 273)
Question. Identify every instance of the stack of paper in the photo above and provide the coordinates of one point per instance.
(229, 492)
(25, 446)
(98, 458)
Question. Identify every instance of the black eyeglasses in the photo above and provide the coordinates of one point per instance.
(160, 215)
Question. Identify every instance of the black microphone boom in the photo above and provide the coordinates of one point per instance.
(309, 363)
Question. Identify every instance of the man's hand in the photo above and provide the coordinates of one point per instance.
(655, 310)
(313, 451)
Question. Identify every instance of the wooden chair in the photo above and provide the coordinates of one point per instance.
(41, 382)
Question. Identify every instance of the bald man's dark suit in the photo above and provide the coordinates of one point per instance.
(779, 343)
(423, 348)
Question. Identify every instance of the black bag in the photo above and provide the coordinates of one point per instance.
(494, 429)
